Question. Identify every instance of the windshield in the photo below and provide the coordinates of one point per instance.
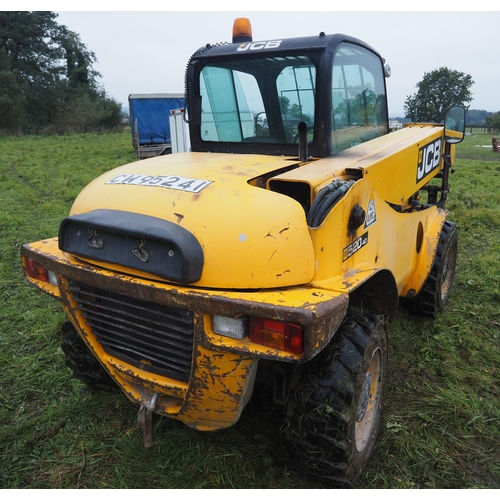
(261, 100)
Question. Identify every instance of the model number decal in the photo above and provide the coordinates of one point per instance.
(354, 247)
(429, 158)
(165, 181)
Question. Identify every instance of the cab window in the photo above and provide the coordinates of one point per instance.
(358, 97)
(257, 100)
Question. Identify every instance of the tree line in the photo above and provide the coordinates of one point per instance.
(47, 80)
(479, 117)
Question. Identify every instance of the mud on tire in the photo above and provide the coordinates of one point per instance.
(82, 363)
(437, 288)
(335, 401)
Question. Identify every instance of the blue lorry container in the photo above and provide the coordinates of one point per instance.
(149, 118)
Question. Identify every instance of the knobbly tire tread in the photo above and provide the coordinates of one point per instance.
(321, 410)
(82, 363)
(428, 302)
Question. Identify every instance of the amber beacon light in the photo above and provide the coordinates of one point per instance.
(242, 30)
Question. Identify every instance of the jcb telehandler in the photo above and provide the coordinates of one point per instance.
(276, 250)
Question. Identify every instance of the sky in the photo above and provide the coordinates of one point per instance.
(147, 51)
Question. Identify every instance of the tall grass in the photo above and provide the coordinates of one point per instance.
(442, 407)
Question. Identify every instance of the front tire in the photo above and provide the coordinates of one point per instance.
(437, 288)
(335, 401)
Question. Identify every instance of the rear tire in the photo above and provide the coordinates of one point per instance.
(82, 362)
(437, 288)
(334, 406)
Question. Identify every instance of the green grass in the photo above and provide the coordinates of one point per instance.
(442, 407)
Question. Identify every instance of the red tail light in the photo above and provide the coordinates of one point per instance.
(35, 270)
(278, 334)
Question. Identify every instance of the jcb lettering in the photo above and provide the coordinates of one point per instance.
(429, 158)
(259, 45)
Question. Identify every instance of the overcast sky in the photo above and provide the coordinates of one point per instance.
(147, 52)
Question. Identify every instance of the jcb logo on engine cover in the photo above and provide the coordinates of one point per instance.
(429, 157)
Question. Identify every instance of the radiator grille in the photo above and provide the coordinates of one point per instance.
(150, 336)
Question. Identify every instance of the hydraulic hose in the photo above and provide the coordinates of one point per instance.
(314, 207)
(326, 200)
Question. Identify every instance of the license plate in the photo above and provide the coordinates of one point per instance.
(164, 181)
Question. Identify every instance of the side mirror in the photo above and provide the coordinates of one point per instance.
(454, 125)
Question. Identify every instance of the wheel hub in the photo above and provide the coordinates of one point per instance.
(370, 400)
(364, 398)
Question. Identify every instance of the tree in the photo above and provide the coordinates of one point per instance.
(437, 91)
(85, 110)
(493, 120)
(27, 62)
(44, 67)
(10, 95)
(476, 116)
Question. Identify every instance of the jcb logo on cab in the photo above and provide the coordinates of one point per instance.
(259, 45)
(429, 157)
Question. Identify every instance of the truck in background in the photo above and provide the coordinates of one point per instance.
(149, 118)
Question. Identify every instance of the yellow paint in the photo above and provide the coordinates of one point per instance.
(244, 246)
(261, 258)
(222, 374)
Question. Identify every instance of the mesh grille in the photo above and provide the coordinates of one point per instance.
(150, 336)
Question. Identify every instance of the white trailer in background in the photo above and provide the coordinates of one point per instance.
(179, 132)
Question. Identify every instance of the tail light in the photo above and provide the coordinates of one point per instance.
(36, 271)
(278, 334)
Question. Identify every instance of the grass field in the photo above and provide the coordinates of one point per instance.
(441, 424)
